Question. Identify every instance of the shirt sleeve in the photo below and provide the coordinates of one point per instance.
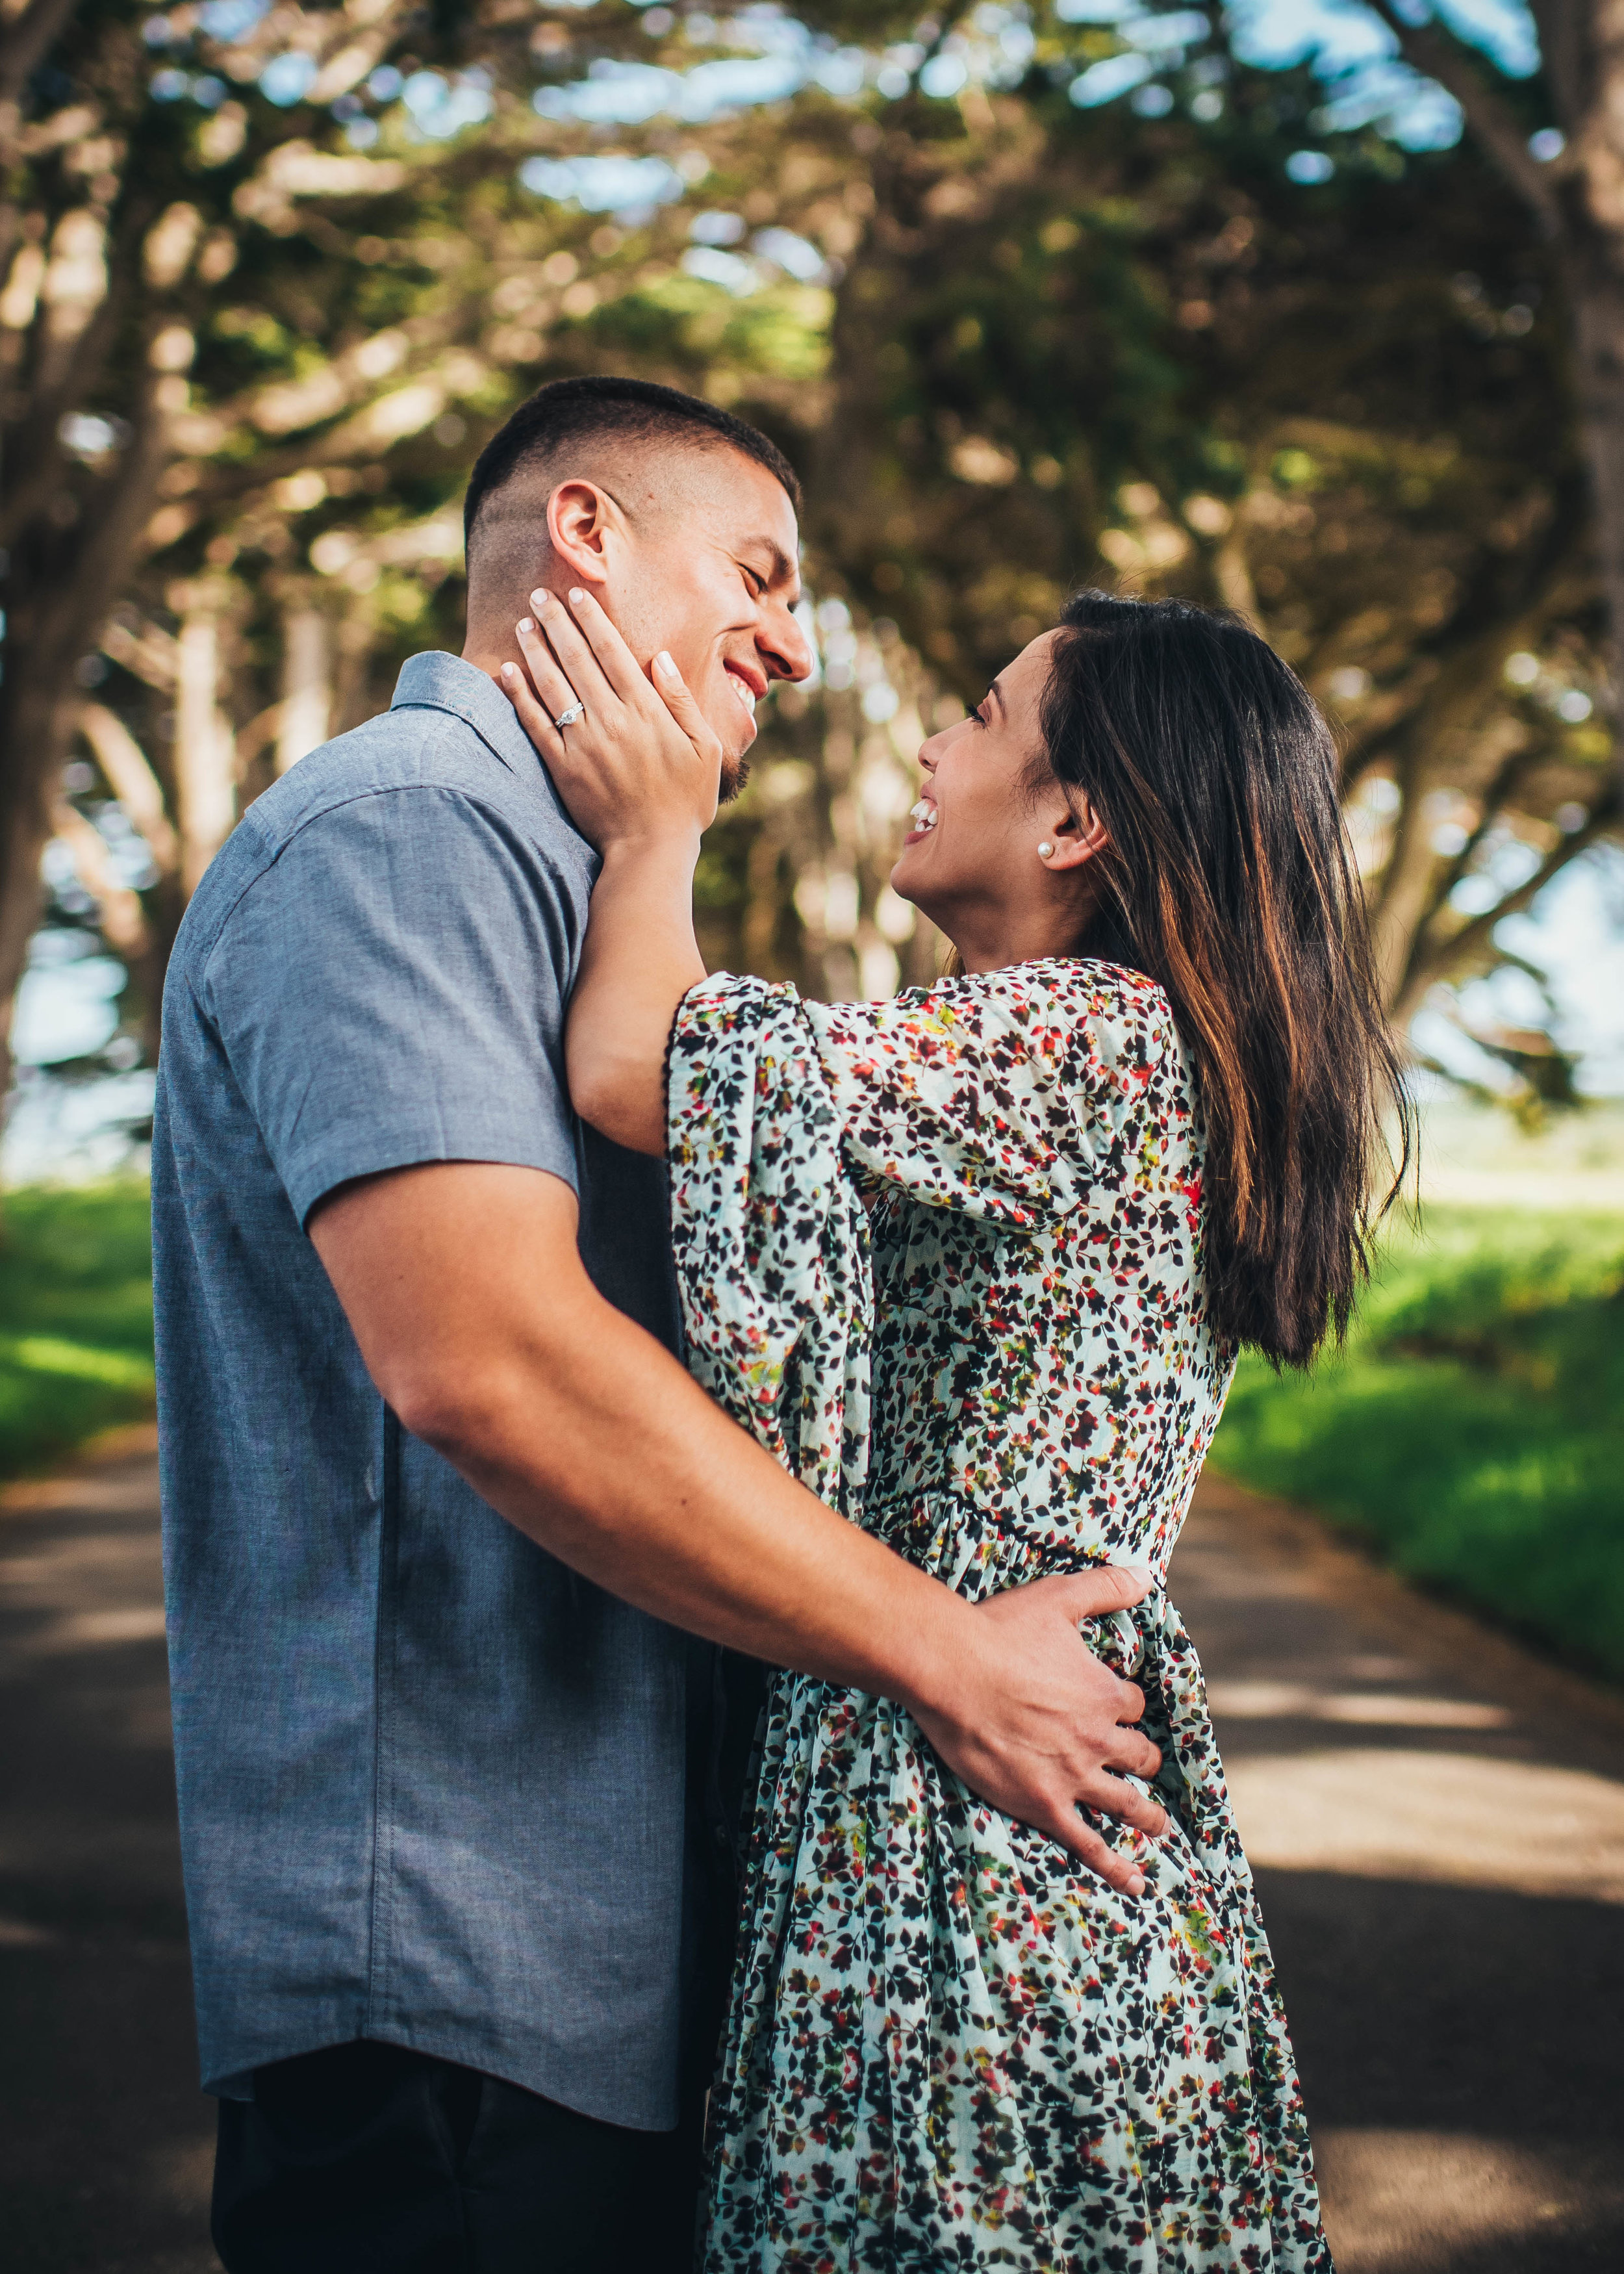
(1008, 1093)
(391, 991)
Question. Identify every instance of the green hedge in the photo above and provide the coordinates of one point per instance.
(1474, 1430)
(76, 1318)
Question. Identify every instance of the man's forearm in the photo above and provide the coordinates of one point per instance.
(587, 1437)
(628, 1473)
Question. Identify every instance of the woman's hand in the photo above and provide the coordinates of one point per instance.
(639, 771)
(639, 766)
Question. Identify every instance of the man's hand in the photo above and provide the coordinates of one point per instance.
(1038, 1727)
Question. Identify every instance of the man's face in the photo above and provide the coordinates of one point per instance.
(706, 569)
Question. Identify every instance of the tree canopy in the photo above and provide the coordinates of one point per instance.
(1034, 296)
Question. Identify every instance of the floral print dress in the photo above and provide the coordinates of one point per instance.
(942, 1255)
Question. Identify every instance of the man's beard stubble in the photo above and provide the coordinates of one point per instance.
(735, 773)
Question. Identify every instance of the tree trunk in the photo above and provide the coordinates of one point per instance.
(131, 781)
(205, 789)
(1593, 244)
(137, 790)
(58, 581)
(36, 719)
(118, 909)
(1405, 895)
(306, 685)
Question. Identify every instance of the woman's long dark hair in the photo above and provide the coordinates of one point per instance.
(1228, 880)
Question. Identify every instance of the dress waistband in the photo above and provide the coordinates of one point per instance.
(965, 1548)
(972, 1550)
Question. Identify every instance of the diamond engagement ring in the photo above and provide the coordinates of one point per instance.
(568, 717)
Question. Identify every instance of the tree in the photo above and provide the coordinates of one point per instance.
(1342, 406)
(262, 299)
(137, 185)
(1016, 339)
(1575, 191)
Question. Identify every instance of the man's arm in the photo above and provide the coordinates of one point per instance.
(477, 1322)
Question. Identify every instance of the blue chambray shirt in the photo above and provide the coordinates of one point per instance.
(431, 1783)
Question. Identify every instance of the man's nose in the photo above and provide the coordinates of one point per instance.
(783, 648)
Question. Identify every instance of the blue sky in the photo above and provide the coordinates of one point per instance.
(1357, 54)
(1344, 32)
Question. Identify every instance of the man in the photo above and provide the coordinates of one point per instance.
(439, 1498)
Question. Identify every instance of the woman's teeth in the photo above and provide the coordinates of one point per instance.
(923, 816)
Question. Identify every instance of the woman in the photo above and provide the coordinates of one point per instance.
(975, 1263)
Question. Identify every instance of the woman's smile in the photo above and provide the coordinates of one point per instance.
(923, 818)
(984, 884)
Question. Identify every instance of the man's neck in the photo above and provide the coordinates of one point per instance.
(491, 641)
(487, 658)
(491, 645)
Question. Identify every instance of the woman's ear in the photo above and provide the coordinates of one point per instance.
(1078, 836)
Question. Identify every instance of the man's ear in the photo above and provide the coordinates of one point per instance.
(581, 519)
(1078, 836)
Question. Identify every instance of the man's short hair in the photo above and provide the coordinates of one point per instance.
(625, 411)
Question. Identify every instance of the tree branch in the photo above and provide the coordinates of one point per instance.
(130, 779)
(1513, 767)
(1562, 44)
(27, 41)
(1464, 945)
(1493, 124)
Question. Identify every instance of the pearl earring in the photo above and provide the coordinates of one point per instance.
(1045, 850)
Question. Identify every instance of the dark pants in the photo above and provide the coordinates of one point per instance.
(368, 2159)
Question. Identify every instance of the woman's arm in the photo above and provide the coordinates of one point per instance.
(639, 773)
(639, 961)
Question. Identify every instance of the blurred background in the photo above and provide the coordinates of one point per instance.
(1311, 308)
(1281, 305)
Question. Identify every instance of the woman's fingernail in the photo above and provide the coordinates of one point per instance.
(576, 595)
(1136, 1885)
(538, 601)
(524, 626)
(664, 664)
(507, 671)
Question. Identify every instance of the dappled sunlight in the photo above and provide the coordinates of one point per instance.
(1453, 1818)
(1443, 1914)
(1270, 1701)
(1482, 2194)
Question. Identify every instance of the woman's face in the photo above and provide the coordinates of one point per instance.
(970, 860)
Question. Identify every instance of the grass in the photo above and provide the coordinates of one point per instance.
(1473, 1433)
(76, 1320)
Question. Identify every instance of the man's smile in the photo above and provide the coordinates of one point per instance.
(748, 683)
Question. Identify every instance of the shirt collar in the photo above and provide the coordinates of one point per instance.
(438, 682)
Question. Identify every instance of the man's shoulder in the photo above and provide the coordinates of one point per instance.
(449, 752)
(414, 745)
(422, 773)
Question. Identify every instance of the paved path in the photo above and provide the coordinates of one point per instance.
(106, 2145)
(1438, 1822)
